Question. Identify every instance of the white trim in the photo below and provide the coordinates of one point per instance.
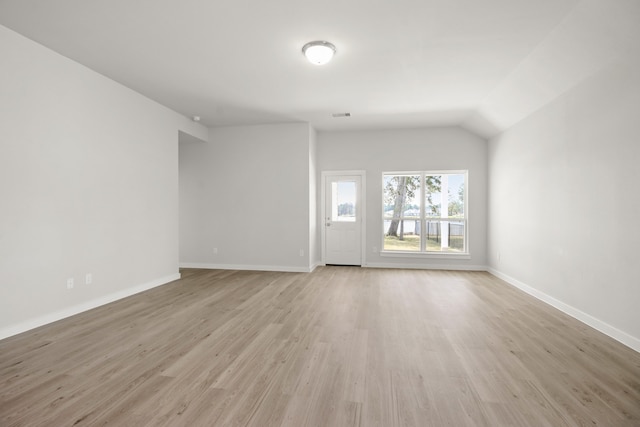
(363, 209)
(283, 268)
(314, 266)
(462, 267)
(425, 255)
(618, 335)
(85, 306)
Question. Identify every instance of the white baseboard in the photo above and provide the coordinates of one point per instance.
(314, 266)
(85, 306)
(459, 267)
(618, 335)
(283, 268)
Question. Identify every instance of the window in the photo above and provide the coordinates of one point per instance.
(343, 201)
(425, 212)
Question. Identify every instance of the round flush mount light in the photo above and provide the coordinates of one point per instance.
(319, 52)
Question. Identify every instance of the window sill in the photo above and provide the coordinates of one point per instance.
(433, 255)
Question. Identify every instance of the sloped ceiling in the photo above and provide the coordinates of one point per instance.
(482, 65)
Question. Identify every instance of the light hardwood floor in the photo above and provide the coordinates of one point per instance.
(342, 346)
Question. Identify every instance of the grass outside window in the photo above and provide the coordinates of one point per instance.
(412, 243)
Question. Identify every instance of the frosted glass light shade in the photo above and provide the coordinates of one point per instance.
(319, 52)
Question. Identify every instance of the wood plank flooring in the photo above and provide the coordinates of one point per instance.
(342, 346)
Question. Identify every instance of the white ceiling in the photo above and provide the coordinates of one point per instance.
(483, 65)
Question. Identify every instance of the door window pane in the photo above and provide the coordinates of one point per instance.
(343, 195)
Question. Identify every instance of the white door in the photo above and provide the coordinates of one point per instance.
(343, 220)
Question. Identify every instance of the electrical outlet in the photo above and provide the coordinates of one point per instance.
(301, 252)
(215, 251)
(88, 279)
(70, 283)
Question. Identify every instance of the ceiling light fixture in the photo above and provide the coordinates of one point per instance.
(319, 52)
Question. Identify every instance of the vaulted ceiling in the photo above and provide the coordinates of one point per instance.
(483, 65)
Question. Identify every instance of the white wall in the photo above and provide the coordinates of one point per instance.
(411, 150)
(88, 184)
(246, 193)
(564, 204)
(314, 242)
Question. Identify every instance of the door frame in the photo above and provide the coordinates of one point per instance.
(363, 211)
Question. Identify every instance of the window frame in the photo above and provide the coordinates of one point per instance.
(423, 218)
